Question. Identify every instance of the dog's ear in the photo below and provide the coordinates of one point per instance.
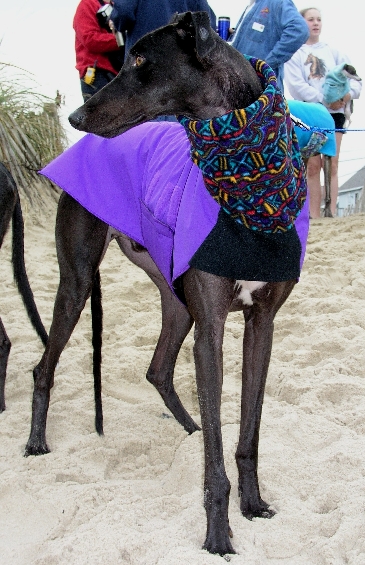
(195, 29)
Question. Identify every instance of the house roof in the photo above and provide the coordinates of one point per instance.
(356, 181)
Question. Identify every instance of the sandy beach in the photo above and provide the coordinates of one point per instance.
(135, 496)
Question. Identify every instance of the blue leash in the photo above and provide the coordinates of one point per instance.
(297, 122)
(314, 128)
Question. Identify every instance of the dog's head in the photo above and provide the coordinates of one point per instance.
(350, 72)
(181, 68)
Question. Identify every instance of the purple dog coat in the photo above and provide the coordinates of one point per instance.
(144, 184)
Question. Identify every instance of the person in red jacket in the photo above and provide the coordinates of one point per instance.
(98, 57)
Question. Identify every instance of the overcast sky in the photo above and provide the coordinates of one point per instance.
(38, 37)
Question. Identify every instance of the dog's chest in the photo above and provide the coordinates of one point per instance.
(246, 288)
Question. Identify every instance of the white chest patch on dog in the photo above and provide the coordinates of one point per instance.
(246, 290)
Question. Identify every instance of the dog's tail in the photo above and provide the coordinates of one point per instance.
(97, 331)
(20, 273)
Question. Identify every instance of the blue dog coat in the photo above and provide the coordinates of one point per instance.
(336, 85)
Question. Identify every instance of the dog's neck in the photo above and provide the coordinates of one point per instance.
(218, 105)
(230, 83)
(239, 87)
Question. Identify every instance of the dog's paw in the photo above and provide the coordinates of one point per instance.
(250, 515)
(220, 547)
(258, 510)
(32, 449)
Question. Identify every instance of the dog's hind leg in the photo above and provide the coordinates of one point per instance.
(209, 299)
(81, 242)
(5, 346)
(176, 324)
(257, 343)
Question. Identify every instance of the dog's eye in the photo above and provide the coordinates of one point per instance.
(139, 61)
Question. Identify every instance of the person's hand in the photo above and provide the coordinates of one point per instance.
(112, 26)
(338, 104)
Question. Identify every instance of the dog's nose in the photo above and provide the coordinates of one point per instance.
(76, 119)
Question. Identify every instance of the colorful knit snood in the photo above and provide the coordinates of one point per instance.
(250, 159)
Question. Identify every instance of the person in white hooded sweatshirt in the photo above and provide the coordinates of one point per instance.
(304, 76)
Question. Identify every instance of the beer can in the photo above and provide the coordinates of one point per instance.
(223, 27)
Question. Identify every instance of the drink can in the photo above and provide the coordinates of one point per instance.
(223, 27)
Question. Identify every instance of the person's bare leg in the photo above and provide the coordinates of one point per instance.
(314, 185)
(334, 174)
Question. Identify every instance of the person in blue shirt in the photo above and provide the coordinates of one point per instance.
(135, 18)
(271, 30)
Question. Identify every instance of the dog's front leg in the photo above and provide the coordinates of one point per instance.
(209, 299)
(257, 342)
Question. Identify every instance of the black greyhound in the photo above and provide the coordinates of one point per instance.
(183, 68)
(11, 210)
